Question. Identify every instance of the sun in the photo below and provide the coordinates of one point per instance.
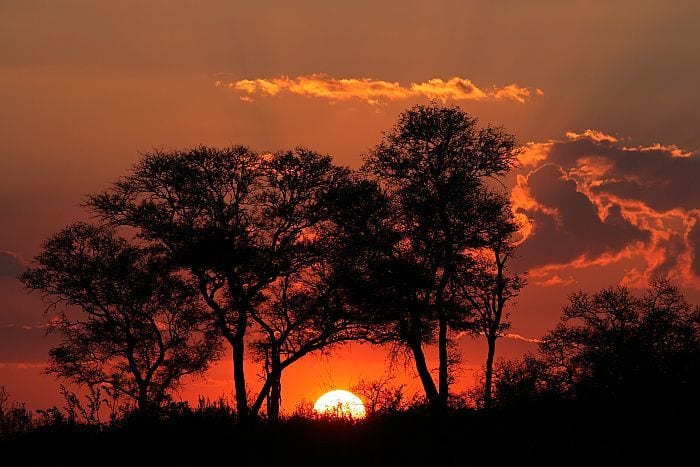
(340, 404)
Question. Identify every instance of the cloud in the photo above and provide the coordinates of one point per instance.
(670, 149)
(566, 225)
(374, 91)
(542, 279)
(518, 337)
(594, 135)
(694, 240)
(21, 344)
(11, 264)
(589, 200)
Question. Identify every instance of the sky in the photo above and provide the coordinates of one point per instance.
(602, 96)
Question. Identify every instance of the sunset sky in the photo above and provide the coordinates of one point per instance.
(602, 95)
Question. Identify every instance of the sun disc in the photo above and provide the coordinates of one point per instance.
(340, 404)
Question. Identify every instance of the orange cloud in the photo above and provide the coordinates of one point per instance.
(533, 154)
(595, 135)
(522, 202)
(374, 91)
(627, 184)
(671, 149)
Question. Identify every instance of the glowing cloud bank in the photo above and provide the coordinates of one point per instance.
(374, 91)
(589, 201)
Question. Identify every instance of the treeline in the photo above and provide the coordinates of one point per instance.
(287, 254)
(282, 255)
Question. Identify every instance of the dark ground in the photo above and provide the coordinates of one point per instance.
(554, 434)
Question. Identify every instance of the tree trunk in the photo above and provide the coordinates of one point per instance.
(146, 408)
(274, 398)
(424, 374)
(143, 403)
(443, 372)
(491, 340)
(238, 347)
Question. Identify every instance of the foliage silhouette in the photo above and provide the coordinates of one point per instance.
(612, 347)
(128, 323)
(245, 227)
(433, 212)
(14, 416)
(488, 288)
(561, 433)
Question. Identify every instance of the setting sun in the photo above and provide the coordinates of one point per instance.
(340, 404)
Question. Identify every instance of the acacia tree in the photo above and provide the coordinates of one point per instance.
(238, 223)
(488, 288)
(616, 344)
(613, 345)
(127, 321)
(432, 168)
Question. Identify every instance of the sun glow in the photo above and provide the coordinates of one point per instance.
(340, 404)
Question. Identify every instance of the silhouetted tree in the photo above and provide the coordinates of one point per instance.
(240, 224)
(199, 207)
(127, 321)
(617, 347)
(487, 286)
(522, 382)
(15, 418)
(381, 396)
(432, 169)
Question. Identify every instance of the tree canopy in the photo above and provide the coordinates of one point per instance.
(435, 211)
(241, 225)
(127, 321)
(614, 346)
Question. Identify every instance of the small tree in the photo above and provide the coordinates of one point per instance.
(488, 288)
(381, 396)
(15, 418)
(128, 322)
(614, 346)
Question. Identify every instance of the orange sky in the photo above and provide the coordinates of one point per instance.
(85, 86)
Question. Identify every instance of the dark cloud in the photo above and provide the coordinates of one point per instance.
(11, 265)
(647, 195)
(694, 240)
(23, 344)
(659, 176)
(576, 229)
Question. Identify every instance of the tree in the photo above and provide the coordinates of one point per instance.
(432, 168)
(381, 396)
(616, 347)
(127, 321)
(488, 287)
(619, 345)
(238, 223)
